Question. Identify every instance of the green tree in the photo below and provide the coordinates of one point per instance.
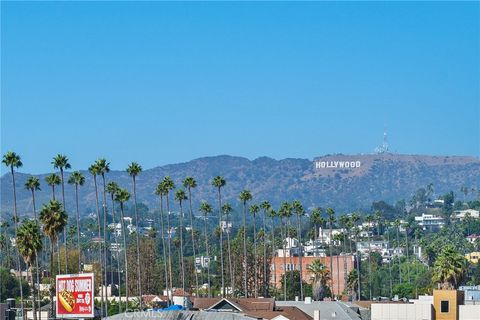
(112, 188)
(449, 268)
(77, 179)
(54, 220)
(219, 182)
(13, 161)
(161, 192)
(244, 197)
(168, 185)
(29, 241)
(190, 183)
(134, 170)
(122, 196)
(299, 212)
(320, 277)
(331, 220)
(254, 209)
(227, 210)
(206, 209)
(266, 206)
(285, 212)
(181, 196)
(53, 180)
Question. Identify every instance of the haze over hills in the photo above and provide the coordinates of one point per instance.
(344, 182)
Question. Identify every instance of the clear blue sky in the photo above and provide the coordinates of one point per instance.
(162, 83)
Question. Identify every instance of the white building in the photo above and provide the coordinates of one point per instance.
(462, 214)
(430, 221)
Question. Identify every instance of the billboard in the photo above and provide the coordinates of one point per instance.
(75, 295)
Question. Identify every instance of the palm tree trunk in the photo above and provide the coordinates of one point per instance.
(265, 282)
(331, 255)
(78, 231)
(300, 254)
(358, 270)
(274, 270)
(230, 267)
(122, 221)
(284, 263)
(245, 289)
(390, 266)
(182, 262)
(255, 266)
(137, 233)
(208, 256)
(19, 266)
(105, 243)
(64, 229)
(345, 275)
(52, 284)
(369, 265)
(117, 250)
(36, 254)
(221, 240)
(34, 304)
(169, 243)
(164, 249)
(408, 262)
(100, 246)
(193, 242)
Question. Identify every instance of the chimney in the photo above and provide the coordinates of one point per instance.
(316, 315)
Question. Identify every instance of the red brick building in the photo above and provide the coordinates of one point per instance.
(339, 275)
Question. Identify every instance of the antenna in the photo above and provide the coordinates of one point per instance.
(383, 148)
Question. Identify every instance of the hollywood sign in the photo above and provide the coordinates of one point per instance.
(337, 164)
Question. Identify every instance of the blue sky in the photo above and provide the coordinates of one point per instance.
(162, 83)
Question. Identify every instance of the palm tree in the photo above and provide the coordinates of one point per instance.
(206, 209)
(53, 180)
(112, 188)
(161, 192)
(397, 224)
(94, 170)
(180, 196)
(369, 220)
(245, 196)
(316, 219)
(354, 219)
(285, 212)
(344, 221)
(189, 183)
(298, 208)
(254, 209)
(331, 221)
(226, 210)
(29, 241)
(272, 214)
(61, 162)
(103, 168)
(54, 219)
(33, 184)
(219, 182)
(133, 170)
(265, 205)
(320, 277)
(77, 179)
(12, 160)
(122, 196)
(168, 185)
(449, 268)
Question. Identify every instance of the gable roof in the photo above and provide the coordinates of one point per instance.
(225, 304)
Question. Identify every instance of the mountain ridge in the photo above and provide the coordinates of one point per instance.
(386, 177)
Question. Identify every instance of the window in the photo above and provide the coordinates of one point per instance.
(444, 306)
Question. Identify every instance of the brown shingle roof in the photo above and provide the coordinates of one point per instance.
(246, 304)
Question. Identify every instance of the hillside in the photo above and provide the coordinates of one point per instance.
(327, 181)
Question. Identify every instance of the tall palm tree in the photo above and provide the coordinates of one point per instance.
(219, 182)
(320, 277)
(103, 168)
(122, 196)
(406, 226)
(134, 170)
(13, 161)
(161, 192)
(265, 205)
(272, 214)
(29, 242)
(254, 209)
(181, 196)
(54, 219)
(112, 189)
(168, 185)
(397, 223)
(244, 197)
(354, 219)
(206, 209)
(316, 219)
(331, 221)
(369, 220)
(189, 183)
(33, 184)
(53, 180)
(299, 212)
(95, 171)
(285, 213)
(226, 210)
(77, 179)
(61, 162)
(344, 221)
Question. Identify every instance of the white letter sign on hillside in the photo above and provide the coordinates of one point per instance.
(332, 164)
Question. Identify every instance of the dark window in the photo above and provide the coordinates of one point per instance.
(444, 306)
